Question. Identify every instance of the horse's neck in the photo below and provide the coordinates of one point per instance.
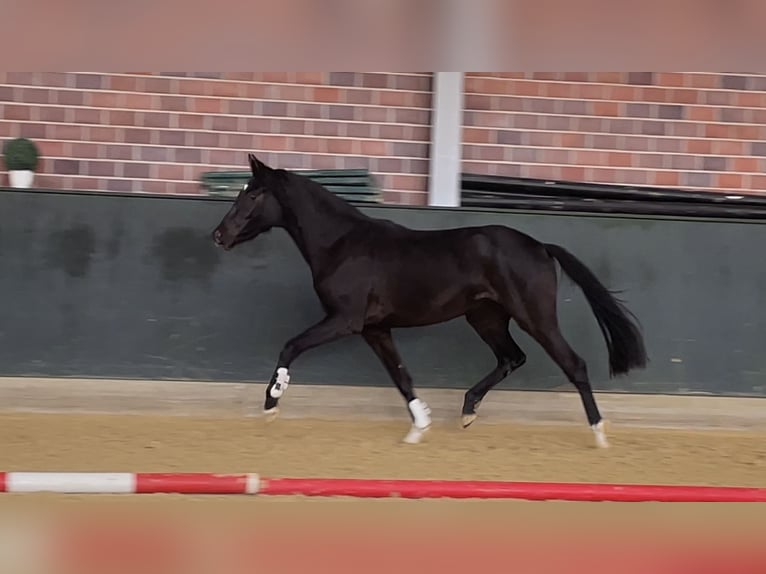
(316, 225)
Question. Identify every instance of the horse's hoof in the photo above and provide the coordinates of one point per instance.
(271, 414)
(468, 419)
(599, 433)
(415, 435)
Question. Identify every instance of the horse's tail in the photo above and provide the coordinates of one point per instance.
(623, 337)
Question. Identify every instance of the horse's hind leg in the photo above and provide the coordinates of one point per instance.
(382, 344)
(541, 323)
(491, 321)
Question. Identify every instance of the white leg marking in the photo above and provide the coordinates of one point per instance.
(467, 420)
(421, 416)
(271, 414)
(600, 434)
(280, 385)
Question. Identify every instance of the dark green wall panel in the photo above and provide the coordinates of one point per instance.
(115, 286)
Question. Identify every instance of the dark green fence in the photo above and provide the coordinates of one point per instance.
(131, 286)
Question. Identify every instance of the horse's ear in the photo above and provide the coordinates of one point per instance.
(256, 165)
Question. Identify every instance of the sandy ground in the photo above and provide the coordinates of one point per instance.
(341, 535)
(340, 448)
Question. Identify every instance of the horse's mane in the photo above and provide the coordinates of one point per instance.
(300, 188)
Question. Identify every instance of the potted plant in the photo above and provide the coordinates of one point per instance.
(21, 158)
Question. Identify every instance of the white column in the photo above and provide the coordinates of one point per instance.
(446, 139)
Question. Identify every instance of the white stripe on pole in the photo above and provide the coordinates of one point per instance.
(253, 484)
(71, 482)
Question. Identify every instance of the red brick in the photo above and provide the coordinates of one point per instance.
(700, 146)
(671, 79)
(224, 89)
(666, 178)
(573, 173)
(588, 157)
(87, 116)
(206, 105)
(619, 159)
(655, 94)
(222, 123)
(476, 135)
(391, 98)
(191, 122)
(272, 77)
(748, 132)
(158, 85)
(256, 91)
(729, 180)
(119, 152)
(518, 88)
(595, 92)
(138, 101)
(103, 134)
(364, 131)
(274, 142)
(607, 77)
(649, 160)
(685, 129)
(122, 83)
(105, 99)
(573, 140)
(746, 164)
(307, 144)
(702, 81)
(70, 98)
(757, 182)
(717, 131)
(606, 108)
(51, 148)
(550, 156)
(727, 147)
(751, 99)
(576, 76)
(14, 112)
(100, 168)
(36, 96)
(682, 96)
(293, 93)
(310, 77)
(54, 79)
(701, 113)
(121, 118)
(542, 139)
(379, 148)
(170, 171)
(330, 95)
(373, 115)
(119, 185)
(340, 147)
(67, 132)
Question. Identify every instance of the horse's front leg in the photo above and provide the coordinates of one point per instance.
(329, 329)
(383, 345)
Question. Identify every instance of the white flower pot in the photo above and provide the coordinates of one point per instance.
(21, 177)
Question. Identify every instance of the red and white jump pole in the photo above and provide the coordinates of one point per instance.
(250, 483)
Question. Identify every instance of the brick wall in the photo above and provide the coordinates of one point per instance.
(690, 130)
(146, 132)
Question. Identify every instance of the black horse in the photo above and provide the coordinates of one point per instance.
(373, 275)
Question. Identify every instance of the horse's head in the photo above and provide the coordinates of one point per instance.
(255, 210)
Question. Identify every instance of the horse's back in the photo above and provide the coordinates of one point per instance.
(428, 276)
